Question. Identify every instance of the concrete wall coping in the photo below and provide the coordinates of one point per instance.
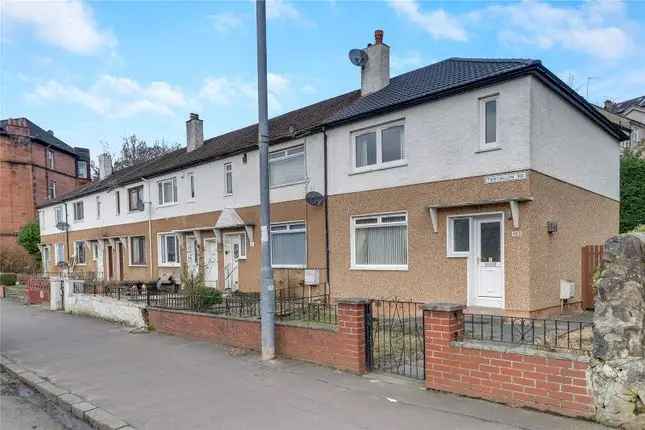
(443, 307)
(352, 301)
(520, 349)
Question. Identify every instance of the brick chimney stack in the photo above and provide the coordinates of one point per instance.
(18, 127)
(194, 132)
(105, 165)
(375, 74)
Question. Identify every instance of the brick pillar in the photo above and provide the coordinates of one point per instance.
(442, 324)
(351, 331)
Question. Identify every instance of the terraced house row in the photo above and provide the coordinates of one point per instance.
(470, 180)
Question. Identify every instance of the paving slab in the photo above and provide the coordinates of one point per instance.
(80, 409)
(103, 420)
(50, 390)
(66, 401)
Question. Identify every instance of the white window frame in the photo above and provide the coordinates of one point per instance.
(51, 159)
(51, 189)
(228, 173)
(117, 202)
(98, 207)
(450, 243)
(59, 253)
(378, 130)
(287, 154)
(59, 209)
(191, 182)
(131, 248)
(289, 230)
(143, 203)
(76, 244)
(174, 198)
(483, 146)
(84, 174)
(161, 257)
(379, 216)
(45, 258)
(80, 202)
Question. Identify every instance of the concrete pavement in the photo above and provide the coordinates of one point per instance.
(155, 381)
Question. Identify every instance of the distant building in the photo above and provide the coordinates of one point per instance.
(630, 117)
(35, 166)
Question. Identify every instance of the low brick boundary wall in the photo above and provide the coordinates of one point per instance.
(342, 347)
(515, 375)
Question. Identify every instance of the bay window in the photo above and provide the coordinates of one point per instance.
(287, 166)
(380, 242)
(288, 245)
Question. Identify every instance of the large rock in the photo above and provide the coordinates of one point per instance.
(617, 372)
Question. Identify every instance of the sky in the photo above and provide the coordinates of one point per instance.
(94, 72)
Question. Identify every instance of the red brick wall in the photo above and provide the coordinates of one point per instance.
(549, 384)
(343, 348)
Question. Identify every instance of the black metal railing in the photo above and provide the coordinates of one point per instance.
(549, 334)
(395, 338)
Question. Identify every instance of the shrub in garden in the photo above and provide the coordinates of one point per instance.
(8, 279)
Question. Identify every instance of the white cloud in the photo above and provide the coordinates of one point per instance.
(226, 91)
(67, 24)
(439, 23)
(114, 96)
(593, 28)
(226, 22)
(280, 9)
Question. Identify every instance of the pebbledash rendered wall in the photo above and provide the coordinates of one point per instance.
(342, 347)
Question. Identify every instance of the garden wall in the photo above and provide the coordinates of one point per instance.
(342, 346)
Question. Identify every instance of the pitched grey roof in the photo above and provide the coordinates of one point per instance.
(621, 107)
(44, 136)
(430, 80)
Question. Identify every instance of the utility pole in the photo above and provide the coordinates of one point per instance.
(267, 297)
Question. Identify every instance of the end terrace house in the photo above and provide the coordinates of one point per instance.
(474, 181)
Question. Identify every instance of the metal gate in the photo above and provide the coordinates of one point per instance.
(394, 338)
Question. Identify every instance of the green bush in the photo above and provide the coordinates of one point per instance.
(639, 229)
(632, 194)
(8, 279)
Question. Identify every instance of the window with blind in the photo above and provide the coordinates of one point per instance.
(137, 251)
(287, 166)
(288, 245)
(167, 191)
(380, 242)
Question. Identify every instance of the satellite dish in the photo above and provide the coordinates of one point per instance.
(358, 57)
(314, 198)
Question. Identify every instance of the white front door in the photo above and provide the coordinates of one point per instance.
(192, 255)
(232, 246)
(211, 270)
(487, 262)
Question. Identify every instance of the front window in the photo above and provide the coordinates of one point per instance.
(137, 251)
(45, 254)
(82, 169)
(60, 253)
(167, 191)
(79, 252)
(78, 211)
(228, 178)
(135, 198)
(287, 166)
(288, 245)
(169, 249)
(380, 241)
(488, 107)
(51, 190)
(379, 147)
(95, 250)
(60, 215)
(50, 159)
(458, 237)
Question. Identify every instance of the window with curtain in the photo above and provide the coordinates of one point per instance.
(288, 245)
(380, 241)
(135, 198)
(169, 249)
(137, 250)
(382, 146)
(287, 166)
(167, 191)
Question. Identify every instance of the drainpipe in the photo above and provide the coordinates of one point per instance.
(149, 203)
(327, 271)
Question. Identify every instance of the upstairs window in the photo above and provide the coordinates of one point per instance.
(169, 249)
(50, 159)
(51, 189)
(288, 245)
(192, 194)
(98, 207)
(78, 211)
(228, 179)
(380, 242)
(287, 166)
(167, 191)
(135, 198)
(82, 169)
(79, 252)
(378, 147)
(117, 202)
(60, 214)
(488, 120)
